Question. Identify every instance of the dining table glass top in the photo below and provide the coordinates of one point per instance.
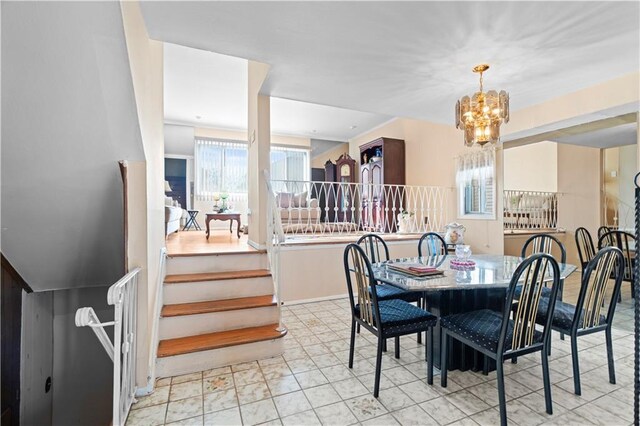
(490, 271)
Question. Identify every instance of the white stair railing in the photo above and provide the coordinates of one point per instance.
(123, 297)
(275, 237)
(530, 210)
(329, 209)
(616, 213)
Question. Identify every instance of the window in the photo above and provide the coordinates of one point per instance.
(475, 178)
(220, 166)
(289, 164)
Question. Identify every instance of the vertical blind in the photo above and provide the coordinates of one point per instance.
(221, 166)
(289, 164)
(475, 177)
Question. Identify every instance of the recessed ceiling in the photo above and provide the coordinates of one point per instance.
(412, 59)
(210, 90)
(625, 134)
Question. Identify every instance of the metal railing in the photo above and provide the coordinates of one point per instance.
(616, 213)
(530, 210)
(275, 236)
(123, 297)
(316, 209)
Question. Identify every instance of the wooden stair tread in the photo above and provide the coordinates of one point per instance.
(216, 276)
(220, 339)
(218, 306)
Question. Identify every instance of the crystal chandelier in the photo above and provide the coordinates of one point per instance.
(481, 115)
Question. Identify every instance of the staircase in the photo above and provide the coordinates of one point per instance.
(219, 309)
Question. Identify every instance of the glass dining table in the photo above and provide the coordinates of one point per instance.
(458, 290)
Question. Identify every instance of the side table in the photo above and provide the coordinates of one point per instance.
(223, 216)
(191, 220)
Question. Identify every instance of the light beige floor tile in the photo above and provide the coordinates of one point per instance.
(291, 403)
(159, 396)
(336, 414)
(322, 395)
(185, 390)
(365, 407)
(229, 417)
(306, 418)
(443, 411)
(253, 392)
(184, 409)
(220, 400)
(148, 416)
(258, 412)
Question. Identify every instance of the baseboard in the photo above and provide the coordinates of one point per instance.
(256, 245)
(315, 299)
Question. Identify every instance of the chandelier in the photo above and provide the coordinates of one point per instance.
(481, 115)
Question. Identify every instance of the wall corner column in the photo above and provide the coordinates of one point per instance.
(259, 139)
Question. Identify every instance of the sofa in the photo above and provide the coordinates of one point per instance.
(172, 216)
(297, 209)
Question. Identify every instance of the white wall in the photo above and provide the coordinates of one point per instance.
(68, 116)
(531, 167)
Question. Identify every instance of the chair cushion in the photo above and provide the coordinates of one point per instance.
(482, 328)
(388, 292)
(397, 314)
(546, 291)
(562, 314)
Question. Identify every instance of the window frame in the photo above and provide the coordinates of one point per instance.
(461, 187)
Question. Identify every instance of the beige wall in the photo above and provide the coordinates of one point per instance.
(430, 151)
(532, 167)
(613, 93)
(305, 276)
(333, 154)
(146, 62)
(579, 188)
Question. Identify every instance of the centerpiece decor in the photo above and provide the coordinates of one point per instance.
(481, 115)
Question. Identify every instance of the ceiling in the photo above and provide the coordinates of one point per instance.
(625, 134)
(412, 59)
(213, 87)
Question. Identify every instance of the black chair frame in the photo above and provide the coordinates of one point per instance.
(620, 239)
(430, 235)
(586, 248)
(380, 330)
(536, 262)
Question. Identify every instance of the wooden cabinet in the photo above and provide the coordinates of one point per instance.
(346, 176)
(382, 171)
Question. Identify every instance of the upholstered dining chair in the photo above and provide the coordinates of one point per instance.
(603, 230)
(499, 337)
(431, 244)
(384, 318)
(586, 249)
(596, 283)
(377, 250)
(626, 242)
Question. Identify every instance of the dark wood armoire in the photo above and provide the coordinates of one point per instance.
(382, 169)
(339, 198)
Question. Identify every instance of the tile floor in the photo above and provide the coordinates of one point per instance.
(311, 384)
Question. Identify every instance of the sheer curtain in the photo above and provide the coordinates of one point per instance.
(289, 164)
(475, 178)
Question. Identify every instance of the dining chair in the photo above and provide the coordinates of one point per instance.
(586, 249)
(544, 243)
(377, 250)
(384, 318)
(626, 242)
(431, 244)
(596, 283)
(499, 337)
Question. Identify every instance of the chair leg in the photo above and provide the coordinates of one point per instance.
(429, 355)
(384, 345)
(397, 346)
(444, 342)
(547, 382)
(612, 369)
(485, 366)
(358, 328)
(353, 342)
(376, 385)
(419, 339)
(501, 397)
(576, 366)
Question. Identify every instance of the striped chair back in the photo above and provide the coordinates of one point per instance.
(596, 283)
(586, 249)
(533, 273)
(360, 284)
(374, 247)
(624, 241)
(431, 244)
(544, 243)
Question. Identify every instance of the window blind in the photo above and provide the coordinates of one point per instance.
(475, 177)
(289, 164)
(220, 166)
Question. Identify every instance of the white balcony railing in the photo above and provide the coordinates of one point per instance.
(317, 209)
(123, 296)
(616, 213)
(530, 210)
